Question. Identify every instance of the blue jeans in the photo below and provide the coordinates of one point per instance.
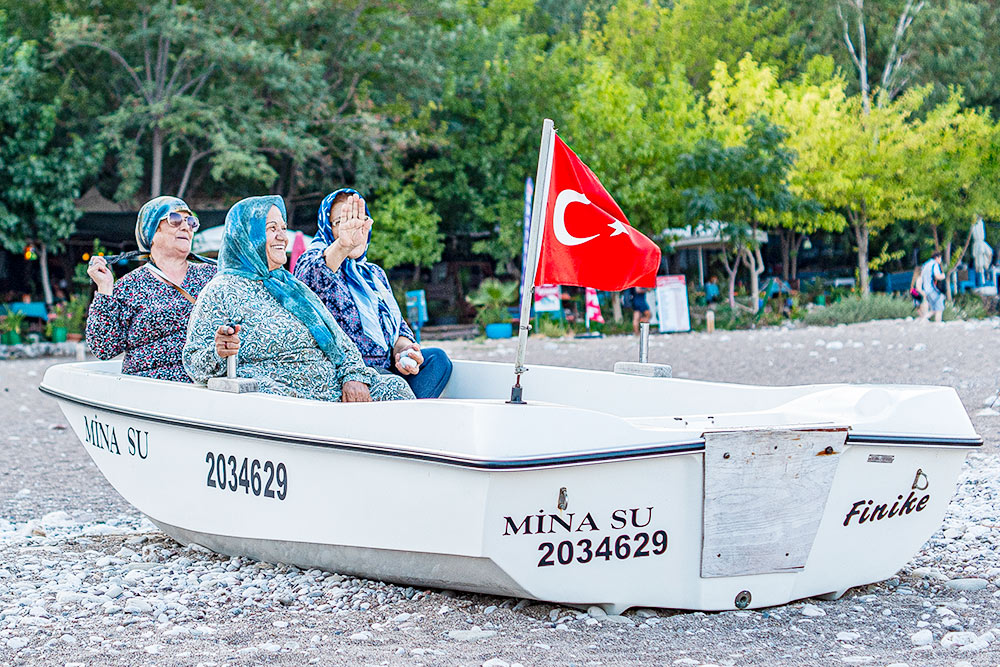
(433, 376)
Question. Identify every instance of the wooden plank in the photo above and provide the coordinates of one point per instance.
(765, 492)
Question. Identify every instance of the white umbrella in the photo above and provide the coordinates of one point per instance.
(982, 253)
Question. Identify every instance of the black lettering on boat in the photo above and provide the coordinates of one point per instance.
(101, 435)
(867, 511)
(525, 524)
(618, 519)
(138, 442)
(548, 523)
(649, 517)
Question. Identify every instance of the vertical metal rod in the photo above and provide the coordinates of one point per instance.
(644, 343)
(231, 366)
(531, 261)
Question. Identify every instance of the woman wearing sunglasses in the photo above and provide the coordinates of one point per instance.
(145, 313)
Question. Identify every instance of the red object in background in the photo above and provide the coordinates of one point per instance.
(593, 306)
(586, 240)
(298, 247)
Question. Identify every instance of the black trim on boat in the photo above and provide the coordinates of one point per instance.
(513, 464)
(479, 464)
(935, 441)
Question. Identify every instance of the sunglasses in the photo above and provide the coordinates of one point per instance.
(175, 219)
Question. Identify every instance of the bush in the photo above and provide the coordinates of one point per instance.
(966, 307)
(852, 309)
(551, 328)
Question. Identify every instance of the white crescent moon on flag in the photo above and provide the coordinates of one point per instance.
(565, 198)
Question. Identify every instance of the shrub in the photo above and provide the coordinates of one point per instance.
(551, 328)
(853, 308)
(966, 307)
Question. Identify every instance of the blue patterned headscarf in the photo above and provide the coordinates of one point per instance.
(376, 305)
(244, 253)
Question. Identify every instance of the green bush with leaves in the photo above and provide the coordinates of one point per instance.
(858, 309)
(492, 299)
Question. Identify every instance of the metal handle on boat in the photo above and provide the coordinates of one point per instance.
(231, 367)
(644, 343)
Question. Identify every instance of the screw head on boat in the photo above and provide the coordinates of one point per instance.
(743, 599)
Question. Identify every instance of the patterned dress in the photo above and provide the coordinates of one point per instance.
(276, 348)
(147, 320)
(331, 288)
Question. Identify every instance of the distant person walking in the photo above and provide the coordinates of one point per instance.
(640, 308)
(930, 274)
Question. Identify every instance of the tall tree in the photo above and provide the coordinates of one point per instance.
(42, 167)
(201, 81)
(739, 185)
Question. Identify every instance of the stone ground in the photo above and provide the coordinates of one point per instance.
(86, 580)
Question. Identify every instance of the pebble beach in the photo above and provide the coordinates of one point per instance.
(85, 579)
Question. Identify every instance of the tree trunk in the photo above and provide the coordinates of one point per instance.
(616, 306)
(731, 272)
(787, 237)
(156, 182)
(755, 263)
(43, 259)
(861, 234)
(949, 290)
(796, 245)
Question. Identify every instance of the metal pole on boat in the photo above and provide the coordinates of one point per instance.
(531, 261)
(644, 343)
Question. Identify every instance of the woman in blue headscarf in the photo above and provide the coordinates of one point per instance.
(280, 332)
(145, 313)
(357, 292)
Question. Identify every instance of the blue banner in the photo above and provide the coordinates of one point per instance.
(529, 189)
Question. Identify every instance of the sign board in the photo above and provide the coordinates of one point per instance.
(672, 304)
(416, 307)
(548, 299)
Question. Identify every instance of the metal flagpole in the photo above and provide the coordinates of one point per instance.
(531, 261)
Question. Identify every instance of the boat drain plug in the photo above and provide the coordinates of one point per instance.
(743, 599)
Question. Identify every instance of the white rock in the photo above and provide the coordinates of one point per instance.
(958, 639)
(812, 610)
(596, 612)
(363, 636)
(17, 643)
(922, 638)
(475, 634)
(617, 619)
(270, 648)
(835, 345)
(137, 606)
(496, 662)
(971, 584)
(977, 645)
(972, 532)
(847, 636)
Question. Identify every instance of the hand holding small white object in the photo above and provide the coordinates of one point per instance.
(407, 356)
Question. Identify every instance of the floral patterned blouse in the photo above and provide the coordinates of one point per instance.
(331, 288)
(276, 348)
(146, 319)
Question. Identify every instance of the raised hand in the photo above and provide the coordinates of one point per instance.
(354, 224)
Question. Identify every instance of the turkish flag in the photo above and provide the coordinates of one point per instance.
(586, 240)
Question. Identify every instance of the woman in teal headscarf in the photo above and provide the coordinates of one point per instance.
(281, 334)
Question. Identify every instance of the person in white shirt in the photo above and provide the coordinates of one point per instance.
(933, 297)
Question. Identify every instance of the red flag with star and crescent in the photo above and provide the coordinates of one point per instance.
(586, 240)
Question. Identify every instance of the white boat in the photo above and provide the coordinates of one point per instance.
(605, 489)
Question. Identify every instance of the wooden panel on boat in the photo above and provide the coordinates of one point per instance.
(765, 492)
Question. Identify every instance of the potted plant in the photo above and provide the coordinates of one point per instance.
(77, 317)
(492, 298)
(58, 323)
(10, 327)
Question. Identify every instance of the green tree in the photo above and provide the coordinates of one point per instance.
(197, 81)
(957, 173)
(406, 230)
(41, 165)
(737, 186)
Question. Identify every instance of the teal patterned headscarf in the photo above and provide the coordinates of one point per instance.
(244, 253)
